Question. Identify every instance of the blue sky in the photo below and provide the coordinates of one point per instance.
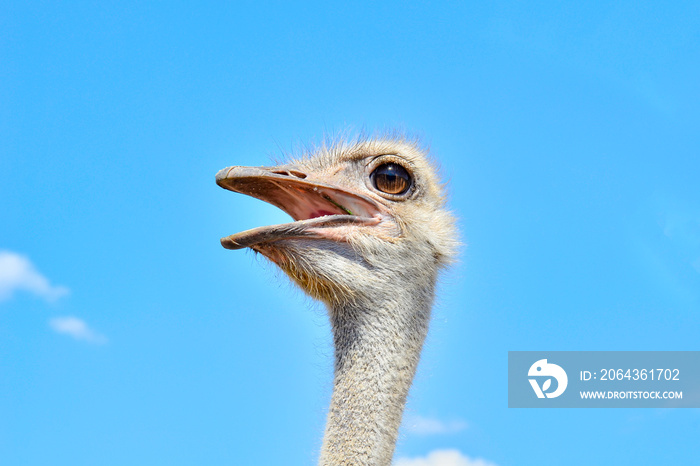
(570, 138)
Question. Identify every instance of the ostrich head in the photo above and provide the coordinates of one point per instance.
(369, 235)
(369, 216)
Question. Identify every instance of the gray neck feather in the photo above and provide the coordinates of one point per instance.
(378, 339)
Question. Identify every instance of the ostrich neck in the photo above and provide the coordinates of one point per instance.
(378, 340)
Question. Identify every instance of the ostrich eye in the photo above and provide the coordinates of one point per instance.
(391, 178)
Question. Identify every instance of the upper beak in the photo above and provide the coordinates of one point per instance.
(313, 205)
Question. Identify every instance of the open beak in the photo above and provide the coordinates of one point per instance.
(317, 208)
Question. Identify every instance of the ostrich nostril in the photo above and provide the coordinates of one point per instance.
(298, 174)
(295, 173)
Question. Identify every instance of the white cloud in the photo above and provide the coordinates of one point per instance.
(443, 458)
(18, 273)
(430, 426)
(76, 328)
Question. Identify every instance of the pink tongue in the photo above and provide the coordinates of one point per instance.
(320, 213)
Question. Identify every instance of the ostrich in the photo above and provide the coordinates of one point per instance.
(369, 236)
